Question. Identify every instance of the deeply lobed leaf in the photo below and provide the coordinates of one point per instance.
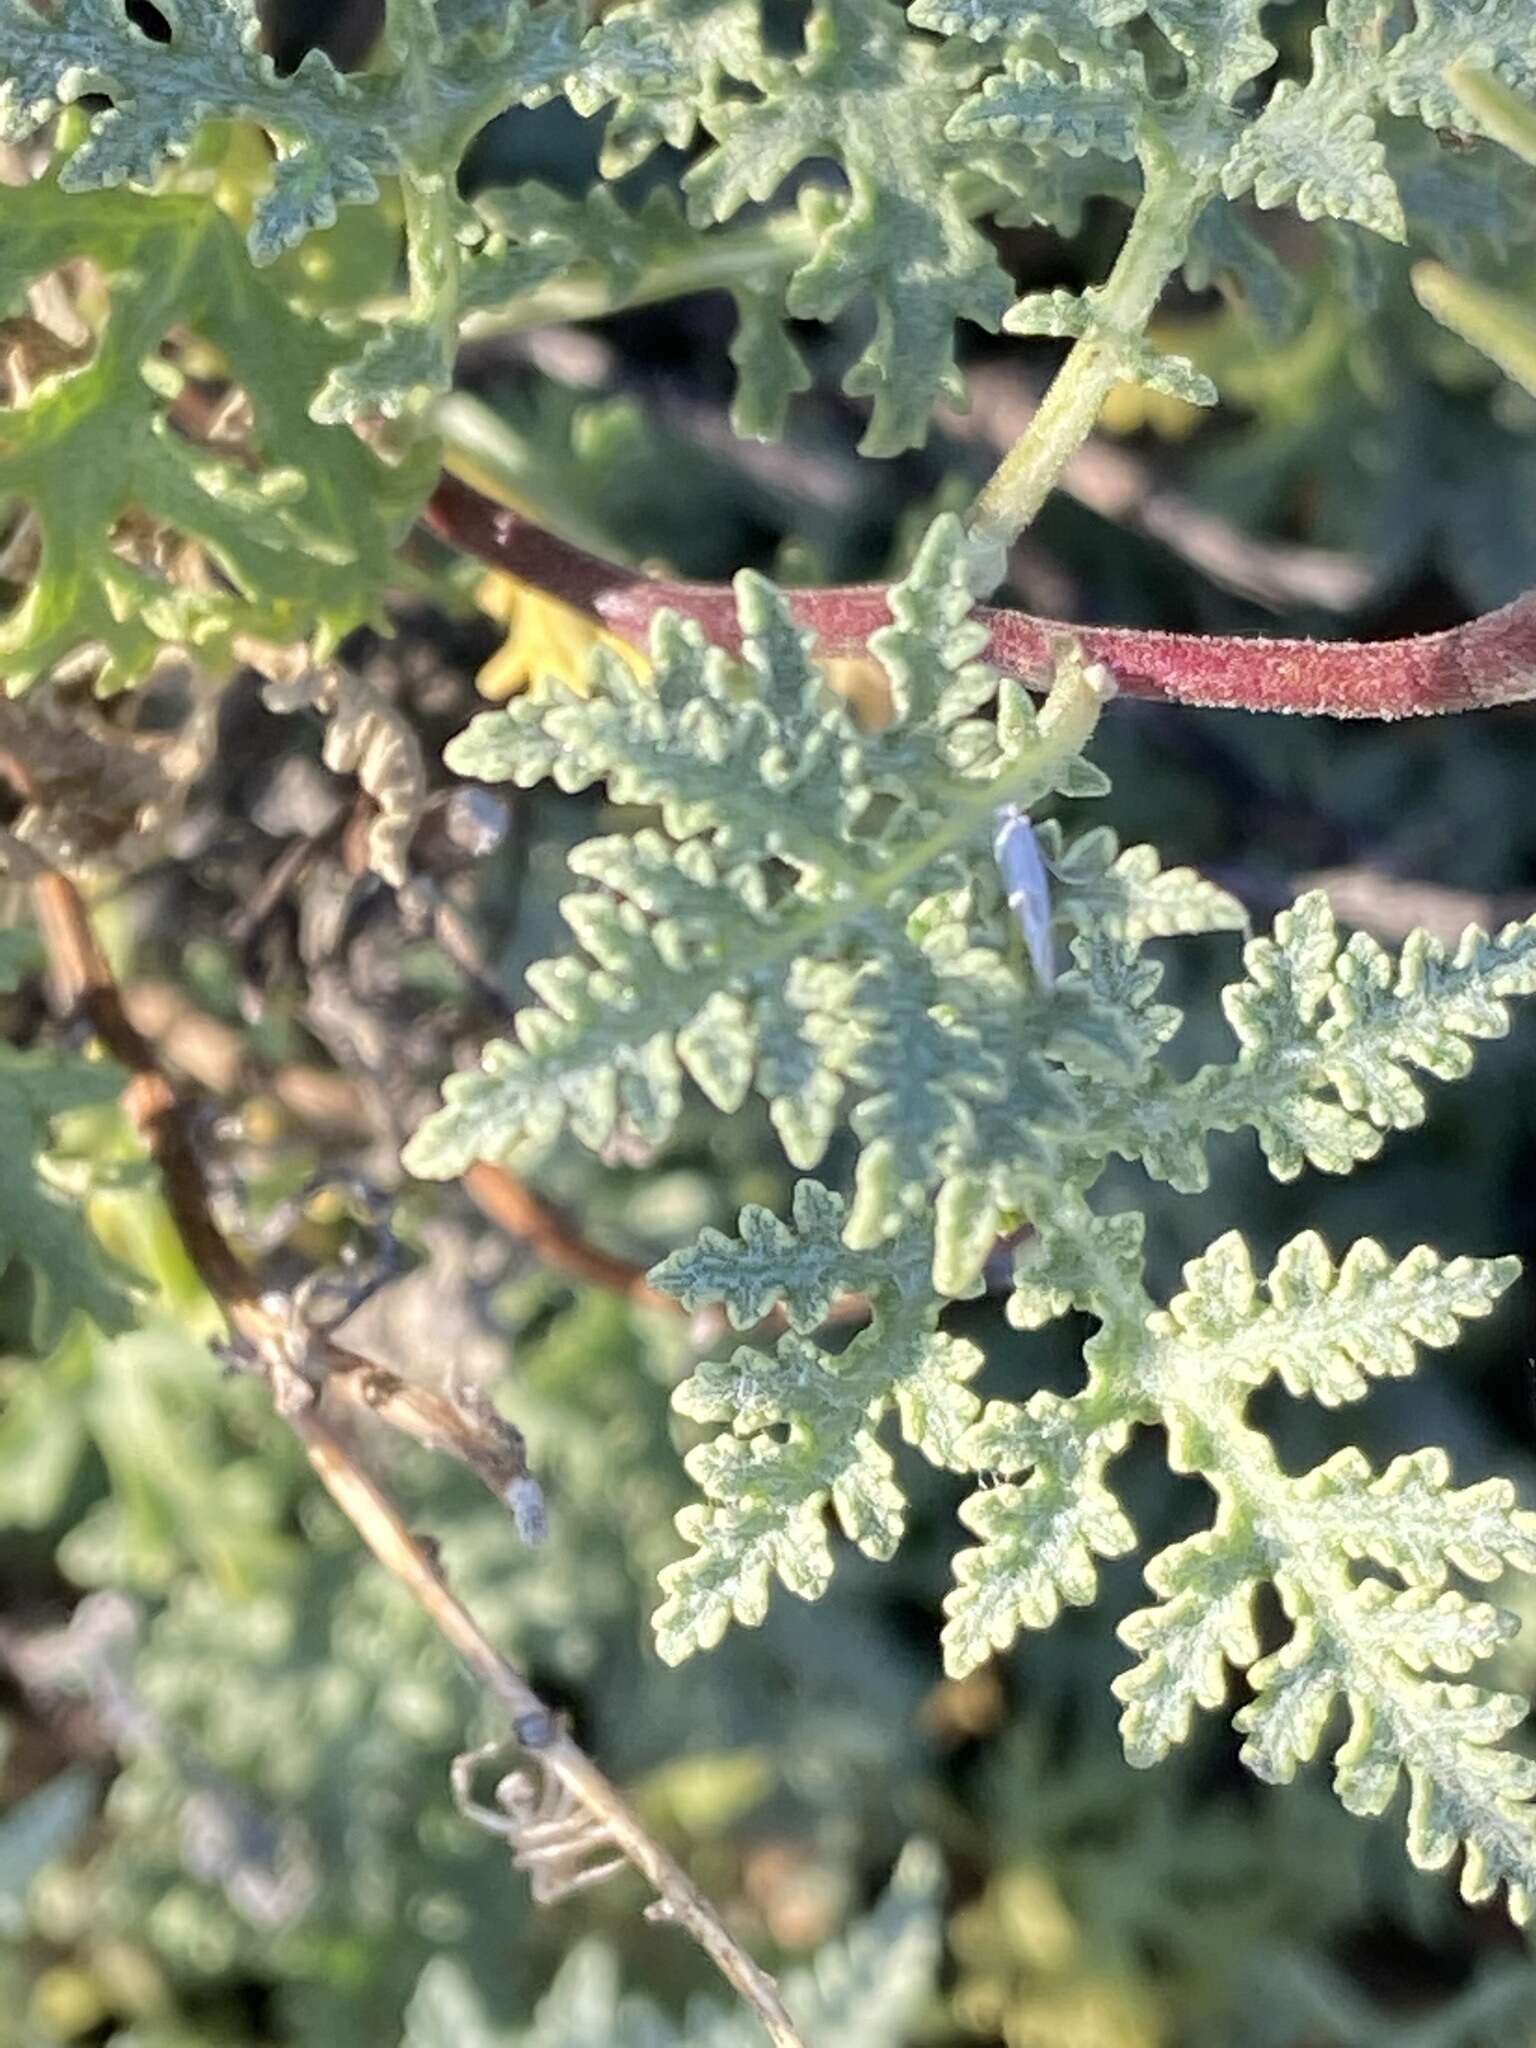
(100, 464)
(963, 111)
(795, 927)
(803, 1418)
(334, 135)
(810, 874)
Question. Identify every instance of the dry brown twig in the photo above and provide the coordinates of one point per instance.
(213, 1055)
(304, 1368)
(1375, 899)
(1392, 906)
(514, 1207)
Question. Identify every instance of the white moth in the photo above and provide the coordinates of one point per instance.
(1019, 862)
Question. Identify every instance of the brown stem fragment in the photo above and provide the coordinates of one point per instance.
(551, 1236)
(385, 1532)
(300, 1363)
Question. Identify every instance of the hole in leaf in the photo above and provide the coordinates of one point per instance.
(148, 20)
(784, 26)
(1269, 1619)
(346, 31)
(20, 551)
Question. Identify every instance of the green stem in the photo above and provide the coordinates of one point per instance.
(742, 256)
(426, 188)
(1508, 116)
(1123, 304)
(432, 259)
(1500, 325)
(489, 453)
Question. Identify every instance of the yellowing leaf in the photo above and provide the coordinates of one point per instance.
(864, 685)
(1131, 407)
(545, 637)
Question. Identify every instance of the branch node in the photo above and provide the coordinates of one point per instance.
(537, 1730)
(292, 1394)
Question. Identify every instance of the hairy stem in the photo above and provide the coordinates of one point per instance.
(432, 260)
(1122, 306)
(1488, 661)
(431, 247)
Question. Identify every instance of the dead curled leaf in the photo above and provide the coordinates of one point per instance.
(366, 735)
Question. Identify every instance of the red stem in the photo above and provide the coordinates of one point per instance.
(1489, 660)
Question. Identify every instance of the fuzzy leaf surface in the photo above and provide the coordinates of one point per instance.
(803, 1419)
(794, 925)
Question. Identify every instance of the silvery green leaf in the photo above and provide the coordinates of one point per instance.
(1130, 892)
(1030, 104)
(803, 1421)
(1493, 36)
(1315, 145)
(1070, 314)
(1042, 1534)
(694, 956)
(397, 374)
(876, 100)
